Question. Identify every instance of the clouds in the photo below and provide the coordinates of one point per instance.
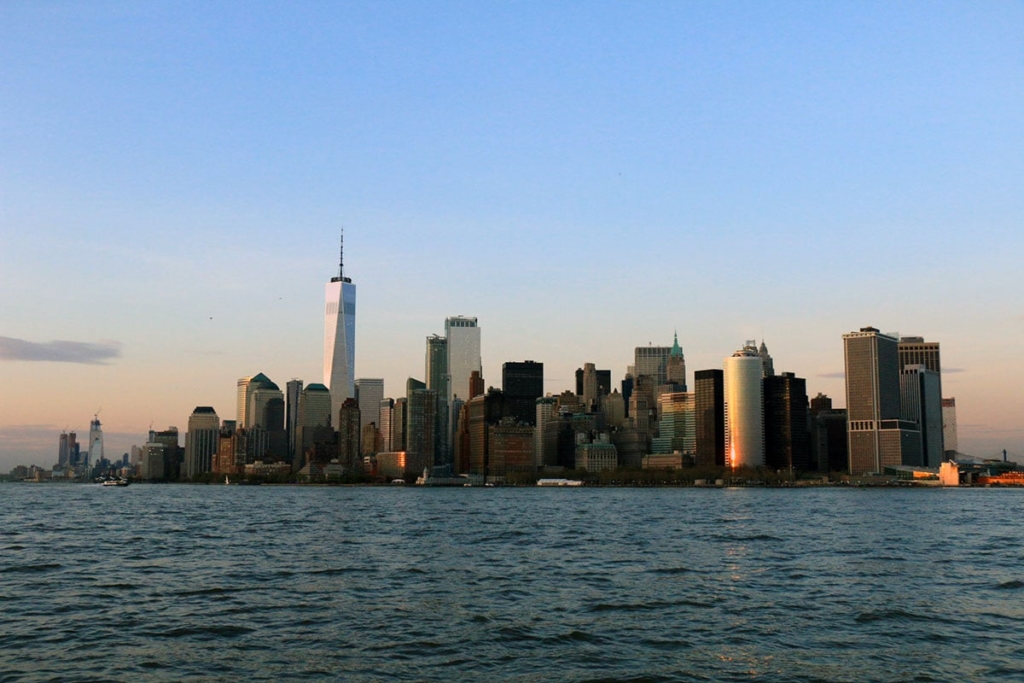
(59, 351)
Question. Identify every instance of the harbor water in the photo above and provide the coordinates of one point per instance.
(270, 583)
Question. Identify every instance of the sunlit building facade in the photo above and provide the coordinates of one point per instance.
(744, 408)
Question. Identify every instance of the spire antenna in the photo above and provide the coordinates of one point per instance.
(341, 256)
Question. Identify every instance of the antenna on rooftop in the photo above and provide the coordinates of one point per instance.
(341, 256)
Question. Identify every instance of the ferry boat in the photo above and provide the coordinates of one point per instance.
(114, 482)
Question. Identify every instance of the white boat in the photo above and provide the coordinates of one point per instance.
(115, 482)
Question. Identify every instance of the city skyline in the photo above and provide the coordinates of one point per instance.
(582, 182)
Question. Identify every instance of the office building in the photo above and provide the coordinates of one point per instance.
(463, 335)
(949, 436)
(921, 403)
(652, 361)
(544, 444)
(437, 365)
(767, 364)
(522, 384)
(588, 380)
(398, 424)
(787, 443)
(876, 435)
(676, 424)
(313, 424)
(744, 408)
(242, 401)
(369, 394)
(292, 395)
(510, 448)
(340, 336)
(95, 442)
(421, 418)
(709, 427)
(348, 434)
(675, 366)
(916, 351)
(387, 411)
(201, 441)
(828, 435)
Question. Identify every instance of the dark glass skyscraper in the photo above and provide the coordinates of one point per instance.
(786, 436)
(522, 384)
(709, 398)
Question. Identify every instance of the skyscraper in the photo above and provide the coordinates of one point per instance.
(369, 394)
(95, 442)
(916, 351)
(949, 435)
(921, 403)
(242, 401)
(421, 421)
(744, 408)
(313, 425)
(877, 436)
(437, 365)
(709, 400)
(348, 434)
(463, 336)
(340, 336)
(201, 441)
(522, 384)
(387, 411)
(653, 362)
(292, 393)
(675, 368)
(786, 437)
(676, 426)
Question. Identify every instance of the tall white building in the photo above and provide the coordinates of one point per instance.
(340, 337)
(744, 408)
(463, 336)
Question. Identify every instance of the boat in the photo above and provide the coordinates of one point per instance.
(114, 482)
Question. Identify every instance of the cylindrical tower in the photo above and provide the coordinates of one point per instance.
(744, 409)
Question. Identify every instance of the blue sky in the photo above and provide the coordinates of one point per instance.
(582, 177)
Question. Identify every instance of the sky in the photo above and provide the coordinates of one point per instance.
(583, 177)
